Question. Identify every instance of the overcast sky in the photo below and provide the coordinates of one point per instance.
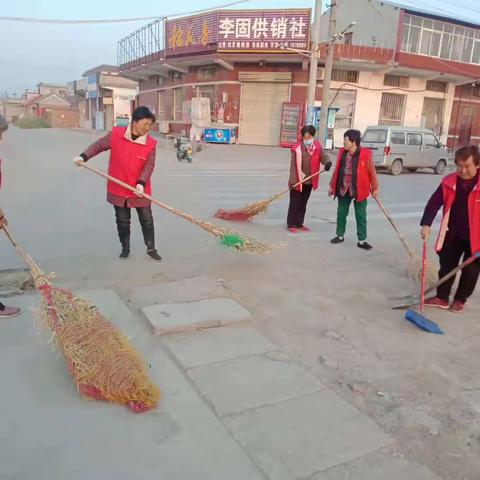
(31, 53)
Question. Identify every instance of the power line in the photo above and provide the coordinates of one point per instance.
(114, 20)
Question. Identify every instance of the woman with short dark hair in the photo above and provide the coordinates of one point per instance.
(459, 236)
(354, 180)
(132, 160)
(307, 156)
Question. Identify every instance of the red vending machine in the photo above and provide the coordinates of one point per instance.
(291, 123)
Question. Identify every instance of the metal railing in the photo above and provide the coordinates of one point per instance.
(143, 45)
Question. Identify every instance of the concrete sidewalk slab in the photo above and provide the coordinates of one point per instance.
(299, 437)
(377, 466)
(189, 316)
(48, 432)
(185, 290)
(216, 344)
(249, 382)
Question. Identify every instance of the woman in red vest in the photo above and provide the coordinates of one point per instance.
(132, 160)
(354, 179)
(459, 194)
(4, 310)
(307, 155)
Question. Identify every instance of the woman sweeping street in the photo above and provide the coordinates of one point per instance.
(307, 156)
(5, 311)
(459, 195)
(132, 160)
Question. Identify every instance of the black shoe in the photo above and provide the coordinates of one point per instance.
(364, 245)
(124, 253)
(337, 239)
(154, 254)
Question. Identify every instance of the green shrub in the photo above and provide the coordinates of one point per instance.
(32, 123)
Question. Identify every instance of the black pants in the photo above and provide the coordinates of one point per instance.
(450, 255)
(298, 206)
(123, 216)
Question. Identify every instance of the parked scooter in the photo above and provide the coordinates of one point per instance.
(184, 149)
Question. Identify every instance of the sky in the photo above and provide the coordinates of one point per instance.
(33, 53)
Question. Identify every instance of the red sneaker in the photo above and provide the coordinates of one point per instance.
(457, 306)
(303, 228)
(292, 230)
(436, 302)
(8, 312)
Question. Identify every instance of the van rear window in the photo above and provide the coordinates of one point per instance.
(375, 136)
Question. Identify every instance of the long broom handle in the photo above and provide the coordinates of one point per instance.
(186, 216)
(424, 276)
(394, 225)
(22, 252)
(284, 192)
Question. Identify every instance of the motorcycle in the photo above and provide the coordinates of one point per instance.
(184, 149)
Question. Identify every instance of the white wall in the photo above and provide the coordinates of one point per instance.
(368, 100)
(376, 26)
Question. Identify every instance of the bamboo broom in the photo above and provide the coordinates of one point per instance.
(100, 359)
(259, 207)
(415, 262)
(228, 238)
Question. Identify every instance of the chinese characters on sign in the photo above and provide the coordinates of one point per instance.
(263, 30)
(272, 30)
(191, 34)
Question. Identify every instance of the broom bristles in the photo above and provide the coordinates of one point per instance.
(103, 364)
(415, 270)
(245, 213)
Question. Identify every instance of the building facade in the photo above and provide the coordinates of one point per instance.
(396, 66)
(106, 97)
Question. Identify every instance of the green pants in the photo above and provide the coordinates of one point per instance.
(360, 217)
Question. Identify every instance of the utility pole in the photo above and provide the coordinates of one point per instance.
(327, 75)
(314, 54)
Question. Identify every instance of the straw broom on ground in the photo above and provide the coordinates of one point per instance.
(259, 207)
(414, 260)
(103, 364)
(228, 238)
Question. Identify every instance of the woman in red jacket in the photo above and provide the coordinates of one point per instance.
(132, 160)
(307, 155)
(459, 236)
(4, 310)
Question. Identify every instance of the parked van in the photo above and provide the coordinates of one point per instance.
(396, 148)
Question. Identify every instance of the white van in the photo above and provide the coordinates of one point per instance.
(395, 148)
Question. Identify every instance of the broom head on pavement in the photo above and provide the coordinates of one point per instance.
(100, 359)
(422, 322)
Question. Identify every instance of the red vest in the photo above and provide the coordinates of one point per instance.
(363, 179)
(315, 163)
(449, 186)
(127, 160)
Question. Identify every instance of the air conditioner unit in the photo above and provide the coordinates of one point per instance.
(320, 72)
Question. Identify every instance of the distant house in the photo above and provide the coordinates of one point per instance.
(54, 108)
(108, 97)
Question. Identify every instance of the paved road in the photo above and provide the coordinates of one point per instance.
(328, 306)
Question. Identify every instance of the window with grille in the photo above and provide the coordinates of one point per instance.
(436, 86)
(206, 73)
(350, 76)
(391, 109)
(178, 102)
(396, 81)
(432, 114)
